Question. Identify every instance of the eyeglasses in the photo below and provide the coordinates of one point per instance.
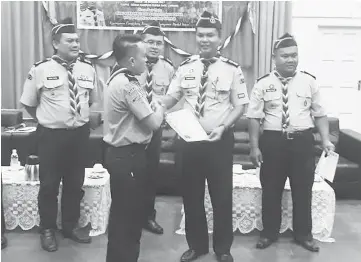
(156, 43)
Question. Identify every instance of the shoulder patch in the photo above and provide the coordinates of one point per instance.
(228, 61)
(40, 62)
(308, 74)
(188, 60)
(167, 60)
(262, 77)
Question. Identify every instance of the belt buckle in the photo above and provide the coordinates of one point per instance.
(288, 137)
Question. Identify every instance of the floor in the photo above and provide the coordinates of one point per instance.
(24, 246)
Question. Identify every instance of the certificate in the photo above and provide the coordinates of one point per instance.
(326, 167)
(187, 126)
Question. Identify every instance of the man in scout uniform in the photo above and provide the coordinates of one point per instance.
(286, 103)
(129, 122)
(155, 81)
(215, 91)
(58, 93)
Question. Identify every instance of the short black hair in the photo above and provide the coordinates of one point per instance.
(123, 44)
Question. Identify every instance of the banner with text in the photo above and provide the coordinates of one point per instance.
(135, 15)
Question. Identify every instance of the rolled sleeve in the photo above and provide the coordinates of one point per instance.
(175, 88)
(256, 104)
(317, 107)
(137, 102)
(239, 94)
(30, 90)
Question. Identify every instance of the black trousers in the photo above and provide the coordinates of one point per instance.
(211, 161)
(2, 212)
(294, 159)
(153, 156)
(128, 181)
(62, 157)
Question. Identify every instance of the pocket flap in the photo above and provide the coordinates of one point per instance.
(272, 96)
(50, 83)
(304, 93)
(88, 84)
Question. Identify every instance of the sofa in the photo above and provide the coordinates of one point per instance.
(347, 182)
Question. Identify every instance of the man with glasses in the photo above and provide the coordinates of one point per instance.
(155, 81)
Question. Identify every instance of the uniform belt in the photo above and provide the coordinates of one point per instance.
(66, 128)
(290, 135)
(135, 145)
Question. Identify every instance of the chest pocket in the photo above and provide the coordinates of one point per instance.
(53, 89)
(273, 100)
(222, 89)
(160, 86)
(190, 86)
(303, 98)
(84, 89)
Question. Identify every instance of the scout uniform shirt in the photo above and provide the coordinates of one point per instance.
(162, 73)
(225, 88)
(303, 102)
(125, 105)
(47, 89)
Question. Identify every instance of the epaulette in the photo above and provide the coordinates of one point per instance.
(40, 62)
(82, 59)
(262, 77)
(188, 60)
(167, 60)
(228, 61)
(308, 74)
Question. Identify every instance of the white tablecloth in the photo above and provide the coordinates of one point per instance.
(247, 207)
(20, 200)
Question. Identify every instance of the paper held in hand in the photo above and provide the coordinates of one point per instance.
(326, 167)
(186, 124)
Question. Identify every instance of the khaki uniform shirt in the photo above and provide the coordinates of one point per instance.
(163, 72)
(304, 102)
(226, 88)
(125, 105)
(47, 89)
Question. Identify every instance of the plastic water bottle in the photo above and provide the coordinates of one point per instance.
(14, 159)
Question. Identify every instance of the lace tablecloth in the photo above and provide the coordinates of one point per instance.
(247, 207)
(20, 200)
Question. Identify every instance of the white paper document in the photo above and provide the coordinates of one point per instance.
(326, 167)
(186, 124)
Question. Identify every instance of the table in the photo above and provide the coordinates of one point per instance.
(20, 200)
(247, 207)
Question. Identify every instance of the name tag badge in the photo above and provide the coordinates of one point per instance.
(271, 88)
(52, 78)
(241, 95)
(84, 78)
(189, 77)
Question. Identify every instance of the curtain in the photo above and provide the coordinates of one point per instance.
(272, 21)
(21, 46)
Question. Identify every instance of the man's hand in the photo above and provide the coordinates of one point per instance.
(157, 106)
(256, 157)
(327, 146)
(216, 134)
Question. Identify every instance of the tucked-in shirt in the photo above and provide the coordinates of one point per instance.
(47, 89)
(225, 89)
(125, 106)
(304, 102)
(162, 73)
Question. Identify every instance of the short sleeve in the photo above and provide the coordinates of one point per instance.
(317, 107)
(256, 104)
(175, 89)
(30, 90)
(239, 94)
(137, 102)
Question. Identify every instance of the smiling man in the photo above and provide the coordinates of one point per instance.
(155, 82)
(215, 91)
(287, 103)
(58, 93)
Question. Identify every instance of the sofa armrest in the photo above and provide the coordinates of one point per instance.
(11, 117)
(350, 145)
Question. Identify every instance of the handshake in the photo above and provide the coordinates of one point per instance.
(158, 106)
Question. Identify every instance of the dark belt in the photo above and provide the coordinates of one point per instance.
(135, 145)
(290, 135)
(72, 128)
